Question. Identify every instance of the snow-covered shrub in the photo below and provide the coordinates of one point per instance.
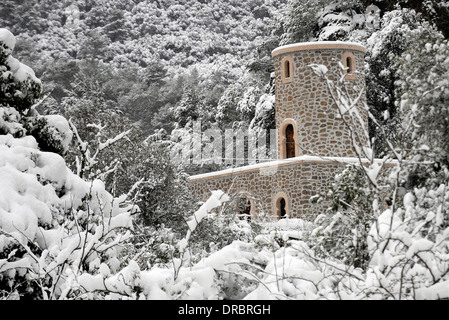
(20, 90)
(19, 85)
(152, 247)
(182, 280)
(110, 147)
(409, 241)
(341, 231)
(409, 247)
(218, 230)
(157, 246)
(295, 273)
(423, 89)
(54, 226)
(163, 194)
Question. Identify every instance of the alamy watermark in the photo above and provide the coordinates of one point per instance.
(234, 147)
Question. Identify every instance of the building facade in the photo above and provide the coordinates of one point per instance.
(314, 141)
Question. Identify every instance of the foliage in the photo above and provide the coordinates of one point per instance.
(424, 93)
(300, 22)
(54, 227)
(342, 231)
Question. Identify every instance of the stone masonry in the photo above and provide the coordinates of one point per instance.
(305, 99)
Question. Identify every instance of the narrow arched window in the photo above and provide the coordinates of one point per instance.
(287, 68)
(289, 142)
(349, 65)
(281, 207)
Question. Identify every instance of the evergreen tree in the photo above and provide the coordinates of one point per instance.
(423, 92)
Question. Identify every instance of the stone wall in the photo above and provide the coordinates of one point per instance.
(299, 180)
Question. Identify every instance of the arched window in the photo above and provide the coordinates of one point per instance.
(288, 147)
(281, 206)
(289, 142)
(287, 69)
(349, 64)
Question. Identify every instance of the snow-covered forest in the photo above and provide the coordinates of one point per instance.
(95, 95)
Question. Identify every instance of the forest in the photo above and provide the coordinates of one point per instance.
(95, 95)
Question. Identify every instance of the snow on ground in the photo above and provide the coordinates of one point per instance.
(43, 204)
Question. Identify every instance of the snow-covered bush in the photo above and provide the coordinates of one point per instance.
(152, 247)
(180, 280)
(409, 247)
(341, 232)
(110, 147)
(409, 242)
(423, 89)
(157, 246)
(20, 90)
(218, 230)
(54, 226)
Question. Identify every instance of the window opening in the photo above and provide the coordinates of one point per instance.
(349, 64)
(289, 142)
(287, 69)
(281, 210)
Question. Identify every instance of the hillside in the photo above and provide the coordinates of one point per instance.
(175, 34)
(152, 48)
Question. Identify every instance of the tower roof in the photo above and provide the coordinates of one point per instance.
(319, 45)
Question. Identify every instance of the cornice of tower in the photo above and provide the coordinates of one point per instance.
(320, 45)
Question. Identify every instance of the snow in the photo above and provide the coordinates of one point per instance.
(276, 163)
(75, 228)
(215, 200)
(36, 188)
(8, 39)
(418, 246)
(60, 124)
(319, 69)
(305, 45)
(256, 270)
(20, 71)
(438, 291)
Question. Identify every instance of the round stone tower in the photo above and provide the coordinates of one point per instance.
(307, 119)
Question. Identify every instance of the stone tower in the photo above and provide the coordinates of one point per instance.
(307, 119)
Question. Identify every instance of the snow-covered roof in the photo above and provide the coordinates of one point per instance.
(318, 45)
(278, 163)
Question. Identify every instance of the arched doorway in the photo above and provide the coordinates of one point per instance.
(281, 206)
(289, 141)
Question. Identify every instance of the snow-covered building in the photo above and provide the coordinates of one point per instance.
(314, 141)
